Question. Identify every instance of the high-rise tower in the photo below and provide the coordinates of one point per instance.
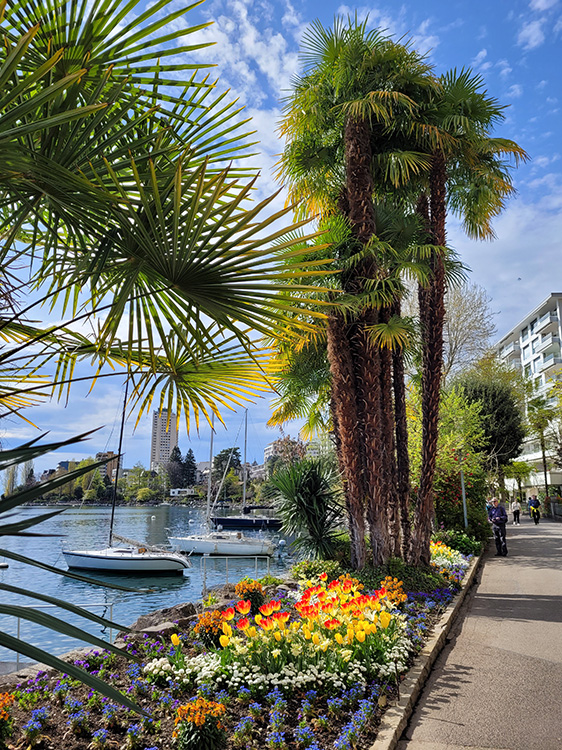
(163, 440)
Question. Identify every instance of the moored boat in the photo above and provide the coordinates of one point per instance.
(127, 560)
(248, 521)
(223, 543)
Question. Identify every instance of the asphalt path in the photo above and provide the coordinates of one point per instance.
(497, 684)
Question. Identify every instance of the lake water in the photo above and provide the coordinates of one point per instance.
(88, 528)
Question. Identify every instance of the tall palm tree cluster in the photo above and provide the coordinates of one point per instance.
(380, 147)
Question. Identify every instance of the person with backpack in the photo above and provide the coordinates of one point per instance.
(534, 508)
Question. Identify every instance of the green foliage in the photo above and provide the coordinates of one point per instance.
(413, 577)
(309, 501)
(309, 569)
(459, 540)
(500, 414)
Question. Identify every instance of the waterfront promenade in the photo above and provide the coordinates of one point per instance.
(497, 685)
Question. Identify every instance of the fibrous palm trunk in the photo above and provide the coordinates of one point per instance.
(348, 436)
(432, 316)
(402, 456)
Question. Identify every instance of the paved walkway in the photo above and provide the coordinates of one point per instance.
(497, 685)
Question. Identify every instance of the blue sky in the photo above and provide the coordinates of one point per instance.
(516, 46)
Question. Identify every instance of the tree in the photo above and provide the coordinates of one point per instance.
(468, 174)
(540, 416)
(228, 457)
(354, 84)
(175, 469)
(189, 469)
(501, 417)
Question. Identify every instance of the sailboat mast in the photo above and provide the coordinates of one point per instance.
(122, 430)
(244, 464)
(210, 471)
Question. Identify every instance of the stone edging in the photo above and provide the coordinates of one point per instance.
(395, 718)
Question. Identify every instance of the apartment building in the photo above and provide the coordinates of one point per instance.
(533, 347)
(164, 438)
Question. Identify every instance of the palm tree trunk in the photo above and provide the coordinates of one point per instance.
(349, 435)
(367, 360)
(432, 316)
(402, 456)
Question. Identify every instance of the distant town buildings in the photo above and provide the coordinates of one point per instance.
(164, 438)
(110, 468)
(533, 348)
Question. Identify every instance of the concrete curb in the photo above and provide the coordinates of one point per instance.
(395, 719)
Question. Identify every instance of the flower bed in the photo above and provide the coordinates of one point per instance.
(312, 669)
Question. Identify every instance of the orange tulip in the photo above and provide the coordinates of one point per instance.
(228, 614)
(243, 623)
(266, 609)
(323, 576)
(244, 606)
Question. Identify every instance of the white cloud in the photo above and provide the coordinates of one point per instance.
(531, 35)
(542, 5)
(505, 68)
(515, 91)
(480, 61)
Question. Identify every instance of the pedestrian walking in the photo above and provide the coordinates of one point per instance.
(515, 508)
(498, 519)
(534, 507)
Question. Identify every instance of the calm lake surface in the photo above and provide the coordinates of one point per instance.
(88, 528)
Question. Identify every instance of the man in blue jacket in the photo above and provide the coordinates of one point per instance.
(498, 519)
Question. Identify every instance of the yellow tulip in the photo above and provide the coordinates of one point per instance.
(306, 633)
(226, 629)
(384, 619)
(224, 641)
(277, 635)
(316, 639)
(175, 639)
(360, 635)
(339, 638)
(258, 618)
(295, 625)
(350, 636)
(251, 632)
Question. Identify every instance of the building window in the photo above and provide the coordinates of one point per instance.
(525, 334)
(526, 352)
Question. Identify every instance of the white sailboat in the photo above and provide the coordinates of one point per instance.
(223, 542)
(136, 558)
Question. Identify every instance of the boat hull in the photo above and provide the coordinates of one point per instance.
(222, 544)
(112, 560)
(247, 522)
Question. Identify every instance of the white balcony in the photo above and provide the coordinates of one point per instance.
(511, 351)
(550, 363)
(546, 322)
(547, 343)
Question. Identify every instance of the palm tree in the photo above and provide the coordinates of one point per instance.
(540, 415)
(125, 196)
(468, 176)
(354, 84)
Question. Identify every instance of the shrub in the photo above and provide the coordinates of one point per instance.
(307, 570)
